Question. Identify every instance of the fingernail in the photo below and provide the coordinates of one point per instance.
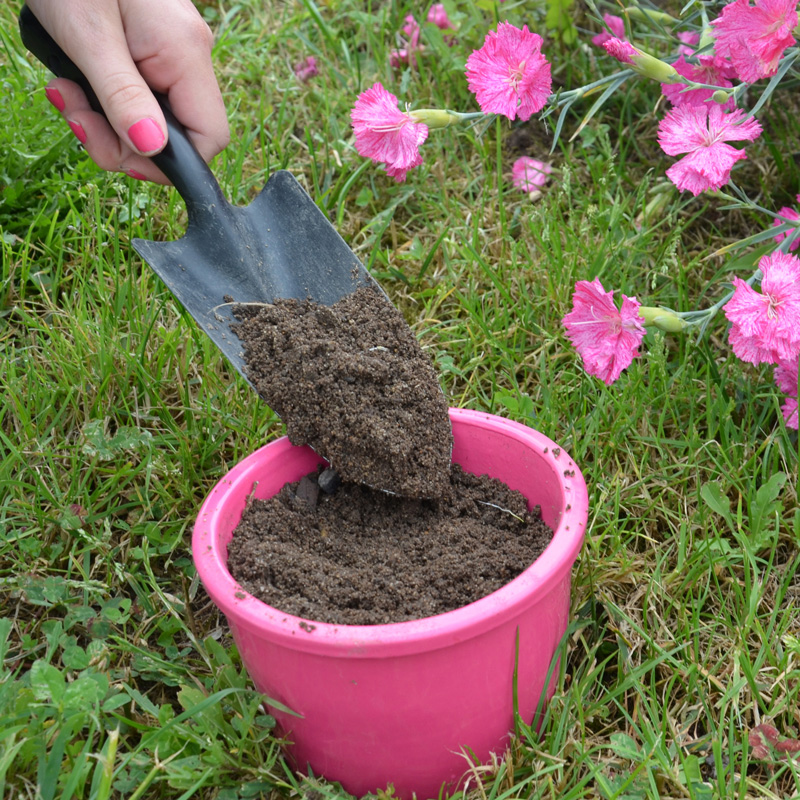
(134, 174)
(78, 130)
(146, 136)
(54, 96)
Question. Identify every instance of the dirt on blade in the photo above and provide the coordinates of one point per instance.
(352, 381)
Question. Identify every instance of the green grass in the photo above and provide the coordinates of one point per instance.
(118, 677)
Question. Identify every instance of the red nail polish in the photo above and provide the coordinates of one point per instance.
(54, 96)
(78, 130)
(134, 174)
(146, 136)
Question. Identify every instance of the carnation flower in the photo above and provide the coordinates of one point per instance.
(529, 175)
(641, 62)
(755, 37)
(786, 380)
(688, 41)
(407, 54)
(606, 338)
(789, 213)
(765, 325)
(509, 75)
(306, 69)
(706, 71)
(701, 132)
(385, 134)
(438, 16)
(621, 49)
(614, 24)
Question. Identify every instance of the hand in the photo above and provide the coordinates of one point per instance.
(126, 48)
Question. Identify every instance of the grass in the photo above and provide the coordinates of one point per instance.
(118, 677)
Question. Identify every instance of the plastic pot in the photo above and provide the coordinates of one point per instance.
(401, 703)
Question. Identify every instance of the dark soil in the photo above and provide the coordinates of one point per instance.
(363, 557)
(352, 381)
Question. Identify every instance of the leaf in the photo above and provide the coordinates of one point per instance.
(625, 746)
(98, 444)
(47, 682)
(75, 657)
(84, 693)
(717, 501)
(761, 739)
(790, 746)
(766, 505)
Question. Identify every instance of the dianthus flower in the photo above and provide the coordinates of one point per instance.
(438, 16)
(786, 380)
(385, 134)
(620, 48)
(616, 26)
(306, 69)
(789, 213)
(412, 29)
(641, 62)
(688, 41)
(765, 325)
(606, 338)
(755, 37)
(407, 54)
(529, 175)
(704, 72)
(701, 131)
(509, 75)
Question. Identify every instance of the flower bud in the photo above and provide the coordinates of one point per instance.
(645, 15)
(641, 62)
(662, 318)
(434, 117)
(706, 38)
(721, 96)
(655, 68)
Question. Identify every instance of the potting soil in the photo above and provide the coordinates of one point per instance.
(363, 557)
(352, 381)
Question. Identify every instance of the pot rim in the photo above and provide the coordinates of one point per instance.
(397, 638)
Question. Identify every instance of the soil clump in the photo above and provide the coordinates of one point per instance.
(352, 381)
(358, 556)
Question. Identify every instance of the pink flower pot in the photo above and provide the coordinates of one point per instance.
(400, 703)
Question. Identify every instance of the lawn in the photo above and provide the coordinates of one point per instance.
(118, 677)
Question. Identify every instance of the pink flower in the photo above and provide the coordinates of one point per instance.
(786, 380)
(704, 72)
(509, 75)
(529, 174)
(754, 37)
(701, 131)
(688, 40)
(614, 24)
(789, 213)
(401, 56)
(621, 49)
(385, 134)
(438, 16)
(765, 326)
(407, 54)
(606, 339)
(306, 69)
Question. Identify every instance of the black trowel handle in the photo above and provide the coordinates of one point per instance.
(179, 160)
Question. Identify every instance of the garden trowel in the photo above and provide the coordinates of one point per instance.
(279, 246)
(283, 247)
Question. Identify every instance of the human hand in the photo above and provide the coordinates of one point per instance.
(127, 49)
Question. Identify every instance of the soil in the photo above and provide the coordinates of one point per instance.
(357, 556)
(352, 381)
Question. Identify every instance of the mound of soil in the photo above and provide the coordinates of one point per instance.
(362, 557)
(352, 381)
